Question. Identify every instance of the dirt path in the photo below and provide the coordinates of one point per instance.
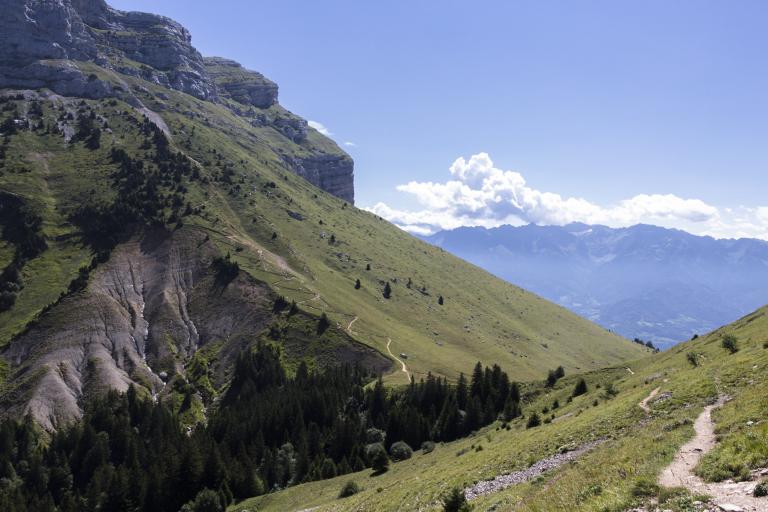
(644, 403)
(349, 327)
(405, 368)
(680, 472)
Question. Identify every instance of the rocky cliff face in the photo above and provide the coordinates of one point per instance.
(44, 43)
(332, 173)
(151, 306)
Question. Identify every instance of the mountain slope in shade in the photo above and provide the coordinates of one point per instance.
(648, 282)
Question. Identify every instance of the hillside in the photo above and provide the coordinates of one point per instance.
(619, 450)
(646, 282)
(157, 206)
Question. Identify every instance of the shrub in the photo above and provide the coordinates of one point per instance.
(377, 457)
(374, 435)
(349, 489)
(328, 469)
(455, 501)
(387, 291)
(533, 421)
(205, 501)
(610, 391)
(580, 388)
(400, 451)
(427, 447)
(730, 343)
(440, 300)
(765, 344)
(693, 358)
(357, 284)
(761, 490)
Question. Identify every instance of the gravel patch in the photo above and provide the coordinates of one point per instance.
(503, 481)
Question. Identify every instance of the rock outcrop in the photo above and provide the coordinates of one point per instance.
(35, 32)
(145, 311)
(332, 173)
(240, 84)
(57, 44)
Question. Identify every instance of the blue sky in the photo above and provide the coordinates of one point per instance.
(603, 101)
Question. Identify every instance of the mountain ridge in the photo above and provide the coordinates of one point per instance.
(619, 277)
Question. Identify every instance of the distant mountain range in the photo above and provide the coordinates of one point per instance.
(646, 282)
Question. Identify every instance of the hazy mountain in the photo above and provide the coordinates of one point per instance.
(643, 281)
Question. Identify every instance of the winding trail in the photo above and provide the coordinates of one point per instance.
(644, 403)
(680, 472)
(349, 327)
(405, 368)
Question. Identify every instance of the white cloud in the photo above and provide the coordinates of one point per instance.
(350, 144)
(482, 195)
(320, 127)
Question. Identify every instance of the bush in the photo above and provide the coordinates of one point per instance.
(610, 391)
(375, 435)
(377, 457)
(765, 344)
(761, 490)
(730, 343)
(533, 421)
(693, 358)
(400, 451)
(427, 447)
(580, 388)
(205, 501)
(387, 291)
(349, 489)
(455, 501)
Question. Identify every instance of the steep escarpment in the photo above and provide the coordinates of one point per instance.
(57, 45)
(146, 312)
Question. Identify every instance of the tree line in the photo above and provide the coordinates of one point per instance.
(270, 430)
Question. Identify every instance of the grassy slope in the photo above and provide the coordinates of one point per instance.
(483, 318)
(605, 478)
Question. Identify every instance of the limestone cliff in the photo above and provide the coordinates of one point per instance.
(50, 44)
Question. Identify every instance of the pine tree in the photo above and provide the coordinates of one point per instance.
(387, 290)
(357, 284)
(440, 300)
(455, 501)
(580, 388)
(323, 323)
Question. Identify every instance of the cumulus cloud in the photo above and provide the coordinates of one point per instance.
(350, 144)
(480, 194)
(320, 127)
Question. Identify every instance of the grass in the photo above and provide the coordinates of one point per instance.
(617, 475)
(483, 318)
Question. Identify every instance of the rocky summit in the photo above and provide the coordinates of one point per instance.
(53, 45)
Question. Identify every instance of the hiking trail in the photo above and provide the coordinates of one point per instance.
(727, 495)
